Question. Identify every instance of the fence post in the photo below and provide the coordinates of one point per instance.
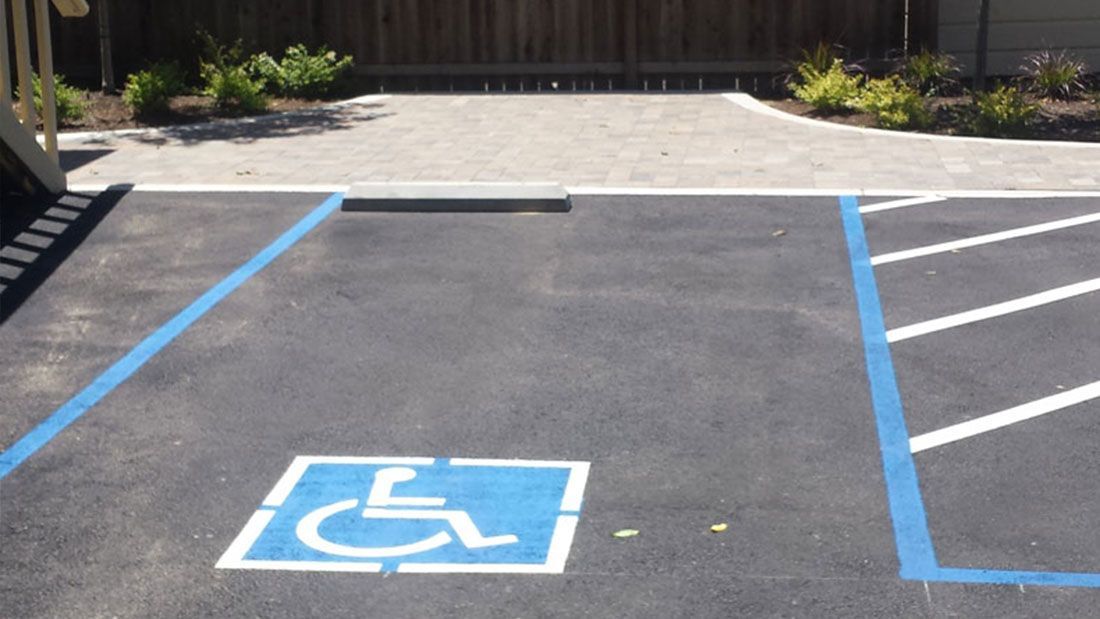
(630, 44)
(106, 64)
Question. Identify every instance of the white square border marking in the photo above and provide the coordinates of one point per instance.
(560, 542)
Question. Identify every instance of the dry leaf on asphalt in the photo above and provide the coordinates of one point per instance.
(625, 533)
(779, 232)
(718, 528)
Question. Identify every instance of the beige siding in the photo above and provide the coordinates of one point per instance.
(1019, 27)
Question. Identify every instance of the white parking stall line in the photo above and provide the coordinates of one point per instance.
(893, 204)
(992, 311)
(1004, 418)
(984, 239)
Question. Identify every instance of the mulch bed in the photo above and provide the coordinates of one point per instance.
(1077, 121)
(105, 112)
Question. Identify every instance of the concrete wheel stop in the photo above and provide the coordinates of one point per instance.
(457, 198)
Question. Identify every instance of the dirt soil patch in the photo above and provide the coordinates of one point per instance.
(1077, 121)
(105, 112)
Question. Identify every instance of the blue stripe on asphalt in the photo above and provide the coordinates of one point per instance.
(125, 367)
(1011, 577)
(916, 554)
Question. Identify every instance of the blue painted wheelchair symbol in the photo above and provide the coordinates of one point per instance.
(418, 515)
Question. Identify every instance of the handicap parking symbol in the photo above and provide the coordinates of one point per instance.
(363, 514)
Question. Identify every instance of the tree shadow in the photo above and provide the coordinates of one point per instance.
(37, 235)
(313, 121)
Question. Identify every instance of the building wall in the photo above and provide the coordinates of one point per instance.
(1019, 27)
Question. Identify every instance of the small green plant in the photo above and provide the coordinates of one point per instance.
(931, 73)
(150, 90)
(300, 73)
(830, 91)
(818, 60)
(69, 99)
(1055, 75)
(895, 104)
(227, 77)
(1004, 112)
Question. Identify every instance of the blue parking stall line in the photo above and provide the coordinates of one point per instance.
(1013, 577)
(124, 368)
(916, 554)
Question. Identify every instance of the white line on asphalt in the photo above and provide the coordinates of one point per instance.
(982, 193)
(234, 555)
(201, 188)
(992, 311)
(592, 190)
(984, 239)
(1004, 418)
(893, 204)
(709, 191)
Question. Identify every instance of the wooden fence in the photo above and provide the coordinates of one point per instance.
(515, 44)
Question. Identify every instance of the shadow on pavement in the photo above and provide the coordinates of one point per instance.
(289, 124)
(73, 159)
(37, 235)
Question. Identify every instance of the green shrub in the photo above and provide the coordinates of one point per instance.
(69, 99)
(233, 88)
(1004, 112)
(150, 90)
(895, 104)
(227, 77)
(931, 73)
(1054, 75)
(829, 91)
(299, 73)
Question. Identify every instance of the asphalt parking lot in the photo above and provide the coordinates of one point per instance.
(703, 357)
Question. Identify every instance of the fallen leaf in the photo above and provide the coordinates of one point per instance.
(779, 232)
(625, 533)
(718, 528)
(929, 272)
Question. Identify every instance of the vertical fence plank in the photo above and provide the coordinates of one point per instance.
(630, 43)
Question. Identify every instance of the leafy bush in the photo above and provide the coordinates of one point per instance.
(830, 91)
(228, 79)
(895, 104)
(1004, 112)
(69, 99)
(1055, 75)
(233, 88)
(931, 73)
(299, 73)
(150, 90)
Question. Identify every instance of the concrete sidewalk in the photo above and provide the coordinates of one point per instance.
(628, 140)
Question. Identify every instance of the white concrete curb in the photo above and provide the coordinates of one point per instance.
(96, 136)
(753, 105)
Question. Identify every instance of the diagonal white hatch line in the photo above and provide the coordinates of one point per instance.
(992, 311)
(1004, 418)
(984, 239)
(893, 204)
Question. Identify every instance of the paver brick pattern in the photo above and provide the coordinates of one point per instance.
(630, 140)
